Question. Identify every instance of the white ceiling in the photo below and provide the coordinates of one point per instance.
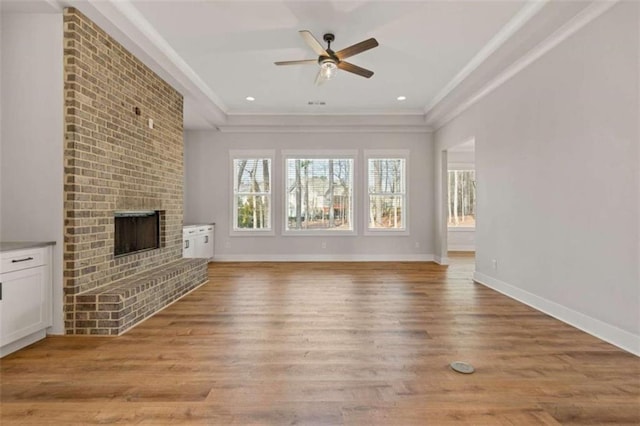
(232, 46)
(219, 52)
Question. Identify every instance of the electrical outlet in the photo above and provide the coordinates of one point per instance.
(417, 244)
(227, 244)
(494, 264)
(324, 244)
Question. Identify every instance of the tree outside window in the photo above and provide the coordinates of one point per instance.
(387, 193)
(319, 194)
(252, 194)
(462, 198)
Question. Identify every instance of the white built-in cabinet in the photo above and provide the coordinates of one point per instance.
(198, 241)
(25, 297)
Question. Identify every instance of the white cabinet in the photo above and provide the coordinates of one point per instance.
(188, 242)
(25, 297)
(204, 242)
(198, 241)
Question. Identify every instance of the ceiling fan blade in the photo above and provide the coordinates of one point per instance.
(357, 48)
(303, 61)
(313, 43)
(348, 66)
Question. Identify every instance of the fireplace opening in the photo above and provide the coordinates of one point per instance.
(136, 231)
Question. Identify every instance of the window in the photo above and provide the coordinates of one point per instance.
(462, 198)
(319, 194)
(252, 194)
(387, 194)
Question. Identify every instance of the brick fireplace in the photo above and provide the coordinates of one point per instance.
(115, 162)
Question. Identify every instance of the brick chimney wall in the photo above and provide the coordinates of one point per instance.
(113, 160)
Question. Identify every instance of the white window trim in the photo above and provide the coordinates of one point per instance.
(461, 166)
(236, 154)
(319, 154)
(385, 153)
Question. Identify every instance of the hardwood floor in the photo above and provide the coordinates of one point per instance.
(329, 343)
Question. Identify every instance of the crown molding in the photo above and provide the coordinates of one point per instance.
(55, 5)
(127, 24)
(123, 21)
(582, 18)
(326, 123)
(252, 128)
(523, 16)
(133, 15)
(327, 119)
(377, 113)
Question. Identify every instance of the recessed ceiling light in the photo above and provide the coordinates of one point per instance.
(250, 98)
(401, 98)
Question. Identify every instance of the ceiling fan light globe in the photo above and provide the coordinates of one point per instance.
(329, 69)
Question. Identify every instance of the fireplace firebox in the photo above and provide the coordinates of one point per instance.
(136, 231)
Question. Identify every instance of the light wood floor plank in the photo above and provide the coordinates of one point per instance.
(329, 344)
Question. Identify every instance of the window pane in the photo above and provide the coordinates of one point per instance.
(462, 198)
(319, 194)
(253, 212)
(252, 193)
(386, 211)
(386, 175)
(386, 185)
(252, 175)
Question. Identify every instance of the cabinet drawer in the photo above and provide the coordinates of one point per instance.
(188, 232)
(22, 259)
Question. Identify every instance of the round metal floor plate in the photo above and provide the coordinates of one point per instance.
(462, 367)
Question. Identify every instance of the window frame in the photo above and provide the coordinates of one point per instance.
(390, 154)
(465, 167)
(337, 154)
(250, 155)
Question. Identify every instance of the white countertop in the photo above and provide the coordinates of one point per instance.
(21, 245)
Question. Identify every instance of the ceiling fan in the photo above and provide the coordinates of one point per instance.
(330, 61)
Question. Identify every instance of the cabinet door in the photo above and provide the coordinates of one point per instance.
(25, 303)
(204, 245)
(189, 246)
(201, 245)
(211, 245)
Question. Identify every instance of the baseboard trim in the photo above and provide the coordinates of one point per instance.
(324, 258)
(607, 332)
(462, 248)
(441, 260)
(23, 342)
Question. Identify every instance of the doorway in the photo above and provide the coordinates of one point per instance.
(461, 197)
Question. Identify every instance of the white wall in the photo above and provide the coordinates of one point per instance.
(461, 238)
(461, 160)
(558, 179)
(31, 169)
(207, 170)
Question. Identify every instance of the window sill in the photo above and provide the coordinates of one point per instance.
(386, 232)
(269, 233)
(319, 233)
